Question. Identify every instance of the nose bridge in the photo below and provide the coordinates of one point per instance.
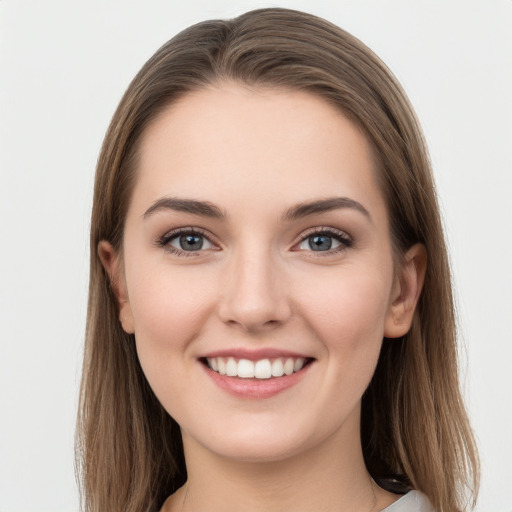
(254, 296)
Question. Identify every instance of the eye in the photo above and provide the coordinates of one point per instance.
(325, 240)
(185, 242)
(190, 242)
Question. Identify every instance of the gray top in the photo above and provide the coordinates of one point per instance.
(413, 501)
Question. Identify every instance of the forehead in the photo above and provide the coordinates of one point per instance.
(232, 142)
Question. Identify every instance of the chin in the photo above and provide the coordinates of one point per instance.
(261, 450)
(262, 439)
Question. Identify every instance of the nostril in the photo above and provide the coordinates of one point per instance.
(253, 323)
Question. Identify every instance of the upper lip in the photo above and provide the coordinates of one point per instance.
(255, 354)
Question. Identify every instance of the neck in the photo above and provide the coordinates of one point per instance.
(329, 477)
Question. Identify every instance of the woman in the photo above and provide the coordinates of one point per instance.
(270, 318)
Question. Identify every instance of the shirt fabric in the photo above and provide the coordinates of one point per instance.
(413, 501)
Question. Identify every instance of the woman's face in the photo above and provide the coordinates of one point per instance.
(257, 243)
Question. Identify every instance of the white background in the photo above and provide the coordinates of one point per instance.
(63, 67)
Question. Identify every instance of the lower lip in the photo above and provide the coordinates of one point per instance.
(256, 388)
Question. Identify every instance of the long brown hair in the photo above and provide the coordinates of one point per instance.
(414, 427)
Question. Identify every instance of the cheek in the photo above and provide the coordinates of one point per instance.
(348, 319)
(348, 312)
(169, 309)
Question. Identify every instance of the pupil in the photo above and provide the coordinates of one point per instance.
(320, 242)
(191, 242)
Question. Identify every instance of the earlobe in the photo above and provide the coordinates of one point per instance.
(406, 292)
(112, 264)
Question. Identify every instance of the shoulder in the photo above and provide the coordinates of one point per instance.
(413, 501)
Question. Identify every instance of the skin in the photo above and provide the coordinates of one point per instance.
(258, 284)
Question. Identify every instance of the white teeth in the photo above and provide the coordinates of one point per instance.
(288, 366)
(231, 368)
(262, 369)
(277, 368)
(299, 363)
(245, 368)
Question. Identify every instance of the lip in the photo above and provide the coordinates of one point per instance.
(255, 354)
(255, 388)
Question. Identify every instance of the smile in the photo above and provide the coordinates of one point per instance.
(261, 369)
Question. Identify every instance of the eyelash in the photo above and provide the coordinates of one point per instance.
(345, 241)
(166, 239)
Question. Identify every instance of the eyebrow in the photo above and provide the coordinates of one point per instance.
(202, 208)
(324, 205)
(207, 209)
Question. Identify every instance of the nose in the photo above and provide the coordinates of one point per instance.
(254, 293)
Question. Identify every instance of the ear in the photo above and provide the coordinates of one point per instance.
(112, 263)
(406, 292)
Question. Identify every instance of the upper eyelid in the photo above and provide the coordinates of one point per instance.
(324, 229)
(169, 235)
(173, 233)
(188, 229)
(343, 237)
